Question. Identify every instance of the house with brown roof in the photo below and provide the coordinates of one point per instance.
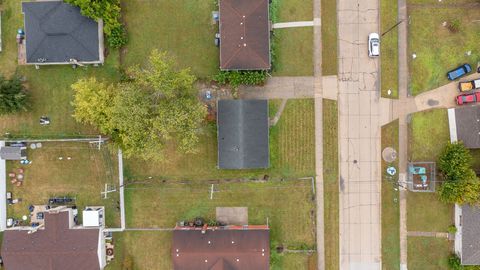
(221, 248)
(244, 35)
(59, 245)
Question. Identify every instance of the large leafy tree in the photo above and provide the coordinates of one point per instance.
(157, 106)
(461, 184)
(13, 96)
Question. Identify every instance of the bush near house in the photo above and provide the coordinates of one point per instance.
(461, 184)
(13, 96)
(237, 78)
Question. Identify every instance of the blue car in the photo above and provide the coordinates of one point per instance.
(459, 72)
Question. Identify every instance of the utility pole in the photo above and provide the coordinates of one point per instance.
(391, 28)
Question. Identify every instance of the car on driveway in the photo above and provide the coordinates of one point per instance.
(373, 45)
(459, 72)
(470, 85)
(468, 98)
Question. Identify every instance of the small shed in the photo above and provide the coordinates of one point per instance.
(13, 152)
(243, 132)
(93, 216)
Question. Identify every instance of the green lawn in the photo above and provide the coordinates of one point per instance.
(142, 250)
(426, 213)
(329, 37)
(49, 87)
(83, 177)
(292, 152)
(439, 50)
(389, 61)
(182, 27)
(294, 10)
(427, 253)
(293, 49)
(330, 183)
(390, 205)
(287, 205)
(434, 3)
(427, 140)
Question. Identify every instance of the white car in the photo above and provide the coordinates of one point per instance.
(373, 45)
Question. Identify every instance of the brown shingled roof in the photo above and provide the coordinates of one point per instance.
(244, 35)
(57, 247)
(221, 249)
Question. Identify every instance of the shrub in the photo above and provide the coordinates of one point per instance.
(452, 229)
(117, 37)
(13, 96)
(236, 78)
(454, 25)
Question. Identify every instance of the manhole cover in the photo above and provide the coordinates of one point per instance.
(389, 154)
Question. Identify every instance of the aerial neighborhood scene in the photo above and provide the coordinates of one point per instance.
(239, 134)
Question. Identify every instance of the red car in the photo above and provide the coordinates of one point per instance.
(468, 98)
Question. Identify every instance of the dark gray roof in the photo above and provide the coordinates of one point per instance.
(243, 134)
(13, 153)
(468, 126)
(470, 235)
(57, 32)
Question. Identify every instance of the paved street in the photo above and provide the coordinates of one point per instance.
(359, 132)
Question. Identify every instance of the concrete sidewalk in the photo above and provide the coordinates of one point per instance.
(294, 24)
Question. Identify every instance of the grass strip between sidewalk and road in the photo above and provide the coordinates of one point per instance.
(330, 178)
(390, 204)
(389, 48)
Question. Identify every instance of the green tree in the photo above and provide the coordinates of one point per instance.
(461, 184)
(13, 96)
(155, 107)
(92, 103)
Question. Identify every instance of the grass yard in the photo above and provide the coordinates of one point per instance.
(427, 140)
(434, 3)
(297, 261)
(426, 213)
(293, 49)
(142, 250)
(439, 50)
(287, 205)
(428, 253)
(292, 152)
(330, 184)
(329, 37)
(49, 87)
(182, 27)
(82, 177)
(390, 205)
(294, 10)
(389, 63)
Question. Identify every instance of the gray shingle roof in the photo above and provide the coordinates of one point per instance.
(56, 32)
(470, 235)
(13, 153)
(243, 134)
(468, 126)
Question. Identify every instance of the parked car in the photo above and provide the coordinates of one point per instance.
(373, 45)
(468, 98)
(459, 72)
(470, 85)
